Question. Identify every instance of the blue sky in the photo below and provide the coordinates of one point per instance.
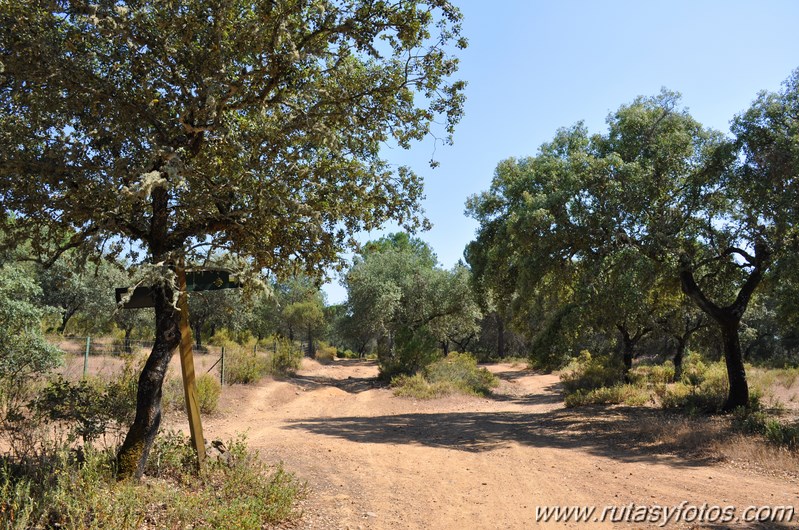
(535, 66)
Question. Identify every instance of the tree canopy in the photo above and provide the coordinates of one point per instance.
(181, 128)
(593, 223)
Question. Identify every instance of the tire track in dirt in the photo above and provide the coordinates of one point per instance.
(375, 461)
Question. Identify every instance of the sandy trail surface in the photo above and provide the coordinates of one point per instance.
(376, 461)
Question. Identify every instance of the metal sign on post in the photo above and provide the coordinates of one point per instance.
(142, 296)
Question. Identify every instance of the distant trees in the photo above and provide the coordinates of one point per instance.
(602, 231)
(399, 299)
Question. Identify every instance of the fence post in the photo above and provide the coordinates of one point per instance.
(86, 356)
(222, 369)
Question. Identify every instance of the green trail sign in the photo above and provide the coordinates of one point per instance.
(203, 280)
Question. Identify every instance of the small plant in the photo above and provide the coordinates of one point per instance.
(631, 395)
(287, 358)
(245, 367)
(771, 428)
(64, 488)
(208, 391)
(586, 373)
(325, 353)
(455, 373)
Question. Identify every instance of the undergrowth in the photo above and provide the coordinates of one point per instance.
(76, 489)
(457, 373)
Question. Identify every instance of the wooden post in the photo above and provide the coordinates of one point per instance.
(222, 369)
(86, 357)
(187, 368)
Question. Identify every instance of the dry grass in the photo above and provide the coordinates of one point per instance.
(751, 452)
(715, 438)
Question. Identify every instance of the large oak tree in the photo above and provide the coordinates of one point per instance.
(179, 127)
(713, 214)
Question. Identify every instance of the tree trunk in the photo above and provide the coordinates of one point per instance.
(679, 354)
(127, 347)
(132, 455)
(311, 349)
(729, 319)
(500, 336)
(198, 336)
(739, 389)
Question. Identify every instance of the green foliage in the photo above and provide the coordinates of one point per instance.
(586, 373)
(208, 391)
(326, 353)
(655, 374)
(78, 490)
(23, 350)
(771, 428)
(622, 223)
(89, 408)
(399, 299)
(631, 395)
(287, 359)
(261, 136)
(703, 387)
(455, 373)
(461, 369)
(243, 367)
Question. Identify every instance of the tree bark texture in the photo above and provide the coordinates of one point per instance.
(132, 455)
(729, 319)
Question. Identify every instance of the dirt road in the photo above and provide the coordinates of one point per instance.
(375, 461)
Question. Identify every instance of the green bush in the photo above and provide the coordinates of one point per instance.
(287, 359)
(461, 370)
(245, 367)
(325, 353)
(208, 392)
(77, 490)
(455, 373)
(413, 350)
(631, 395)
(586, 373)
(702, 388)
(416, 386)
(346, 354)
(771, 428)
(657, 374)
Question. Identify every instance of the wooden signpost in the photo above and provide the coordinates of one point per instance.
(187, 281)
(187, 369)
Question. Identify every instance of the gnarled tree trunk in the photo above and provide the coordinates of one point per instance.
(133, 453)
(729, 320)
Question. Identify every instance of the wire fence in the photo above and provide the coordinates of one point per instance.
(106, 356)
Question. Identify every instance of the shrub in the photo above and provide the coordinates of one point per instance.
(287, 358)
(208, 391)
(702, 388)
(586, 373)
(245, 368)
(455, 373)
(346, 354)
(66, 489)
(416, 386)
(771, 428)
(413, 349)
(658, 374)
(461, 370)
(325, 353)
(631, 395)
